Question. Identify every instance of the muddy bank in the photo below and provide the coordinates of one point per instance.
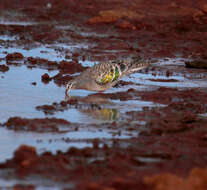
(164, 29)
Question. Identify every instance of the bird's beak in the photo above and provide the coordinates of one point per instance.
(68, 87)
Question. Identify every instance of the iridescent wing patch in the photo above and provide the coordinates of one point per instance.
(109, 76)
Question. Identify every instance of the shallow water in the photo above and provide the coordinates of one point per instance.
(39, 183)
(16, 23)
(182, 82)
(19, 97)
(11, 140)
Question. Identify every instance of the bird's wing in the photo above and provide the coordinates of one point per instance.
(106, 73)
(111, 71)
(135, 64)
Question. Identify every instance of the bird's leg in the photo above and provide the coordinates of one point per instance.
(67, 97)
(68, 87)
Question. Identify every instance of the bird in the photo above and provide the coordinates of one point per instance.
(105, 75)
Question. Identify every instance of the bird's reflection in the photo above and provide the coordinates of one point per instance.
(97, 98)
(105, 114)
(96, 106)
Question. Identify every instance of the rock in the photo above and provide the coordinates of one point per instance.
(204, 8)
(45, 78)
(34, 83)
(4, 68)
(195, 181)
(199, 64)
(70, 67)
(127, 25)
(14, 56)
(25, 154)
(109, 16)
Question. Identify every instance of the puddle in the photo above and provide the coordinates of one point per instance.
(137, 105)
(182, 82)
(41, 52)
(38, 183)
(51, 52)
(72, 46)
(203, 115)
(170, 61)
(5, 38)
(11, 140)
(19, 97)
(178, 79)
(149, 159)
(16, 23)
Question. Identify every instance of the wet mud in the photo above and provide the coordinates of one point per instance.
(147, 132)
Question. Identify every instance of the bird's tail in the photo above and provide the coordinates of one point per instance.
(135, 64)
